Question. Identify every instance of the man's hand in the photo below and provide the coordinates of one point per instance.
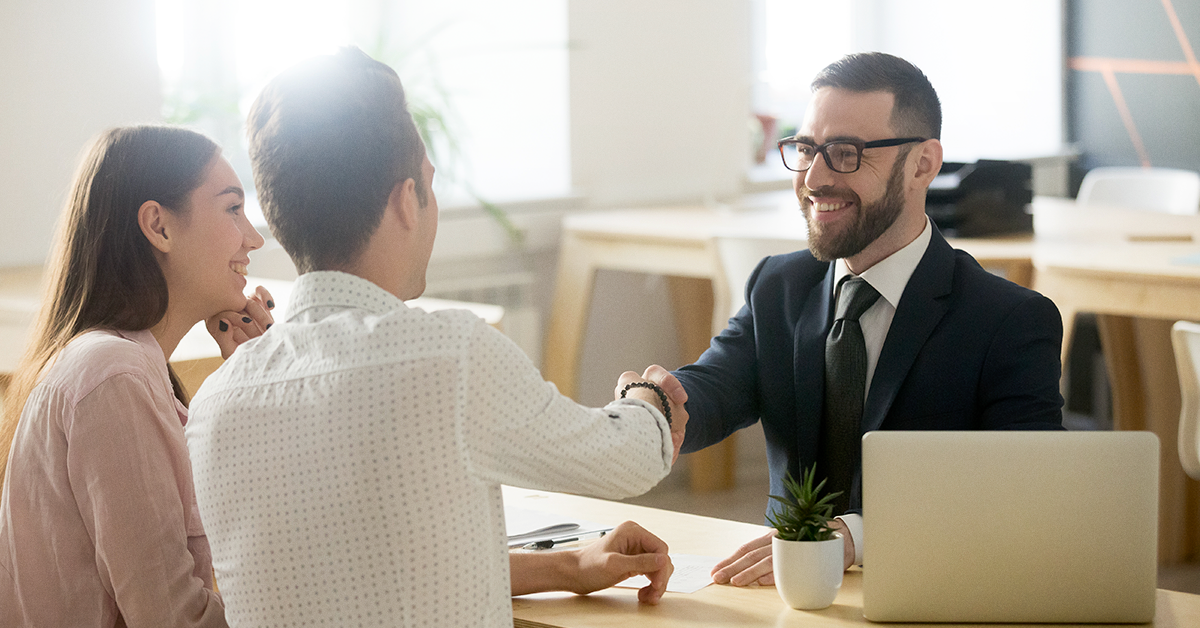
(629, 550)
(231, 329)
(848, 548)
(676, 397)
(752, 562)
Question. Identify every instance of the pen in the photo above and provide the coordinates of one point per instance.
(549, 543)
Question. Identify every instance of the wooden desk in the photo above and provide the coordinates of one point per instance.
(679, 242)
(715, 605)
(1125, 268)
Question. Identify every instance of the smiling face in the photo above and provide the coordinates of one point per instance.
(850, 215)
(211, 239)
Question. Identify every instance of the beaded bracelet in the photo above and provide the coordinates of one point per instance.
(662, 396)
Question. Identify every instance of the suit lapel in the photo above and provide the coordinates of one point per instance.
(921, 308)
(809, 363)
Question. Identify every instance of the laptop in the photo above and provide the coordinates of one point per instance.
(1046, 527)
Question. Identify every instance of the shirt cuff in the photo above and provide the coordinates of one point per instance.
(855, 527)
(668, 445)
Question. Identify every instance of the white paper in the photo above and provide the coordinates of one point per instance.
(523, 526)
(692, 573)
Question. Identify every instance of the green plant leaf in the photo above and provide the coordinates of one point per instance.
(805, 514)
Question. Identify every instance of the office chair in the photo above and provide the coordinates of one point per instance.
(1153, 189)
(1185, 337)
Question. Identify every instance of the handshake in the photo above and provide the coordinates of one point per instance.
(647, 387)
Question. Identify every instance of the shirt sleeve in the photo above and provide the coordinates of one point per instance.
(722, 385)
(519, 430)
(854, 525)
(1019, 384)
(129, 472)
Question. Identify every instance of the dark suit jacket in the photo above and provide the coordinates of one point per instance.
(966, 351)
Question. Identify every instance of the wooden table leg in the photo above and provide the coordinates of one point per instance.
(711, 469)
(692, 304)
(1145, 385)
(1068, 322)
(1020, 273)
(568, 316)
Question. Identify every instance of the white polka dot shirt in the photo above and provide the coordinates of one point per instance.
(348, 463)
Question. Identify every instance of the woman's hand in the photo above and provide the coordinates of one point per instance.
(231, 329)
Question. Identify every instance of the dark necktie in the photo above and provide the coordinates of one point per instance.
(845, 380)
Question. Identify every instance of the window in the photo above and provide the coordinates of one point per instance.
(497, 72)
(997, 67)
(796, 39)
(799, 38)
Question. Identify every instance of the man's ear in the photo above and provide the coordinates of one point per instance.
(403, 200)
(929, 162)
(152, 218)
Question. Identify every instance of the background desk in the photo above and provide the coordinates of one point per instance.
(675, 242)
(715, 605)
(1124, 266)
(197, 355)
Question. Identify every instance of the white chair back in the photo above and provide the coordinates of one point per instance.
(739, 256)
(1153, 189)
(1185, 337)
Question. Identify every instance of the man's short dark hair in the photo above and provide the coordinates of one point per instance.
(329, 140)
(916, 112)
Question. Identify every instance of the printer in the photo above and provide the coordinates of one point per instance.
(985, 198)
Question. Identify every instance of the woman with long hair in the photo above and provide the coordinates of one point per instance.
(98, 518)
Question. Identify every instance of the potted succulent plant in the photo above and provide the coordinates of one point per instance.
(807, 553)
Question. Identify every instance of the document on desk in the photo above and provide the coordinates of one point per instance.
(692, 573)
(528, 526)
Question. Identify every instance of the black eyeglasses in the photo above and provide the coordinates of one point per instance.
(844, 156)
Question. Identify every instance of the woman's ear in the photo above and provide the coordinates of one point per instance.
(152, 218)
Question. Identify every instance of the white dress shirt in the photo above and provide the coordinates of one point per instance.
(889, 277)
(348, 462)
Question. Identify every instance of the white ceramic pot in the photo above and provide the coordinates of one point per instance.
(808, 574)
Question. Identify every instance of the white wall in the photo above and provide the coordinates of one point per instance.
(660, 99)
(997, 66)
(660, 113)
(68, 70)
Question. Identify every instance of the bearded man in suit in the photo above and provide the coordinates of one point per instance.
(879, 324)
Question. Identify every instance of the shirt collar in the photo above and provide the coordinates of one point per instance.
(330, 288)
(143, 338)
(890, 276)
(146, 341)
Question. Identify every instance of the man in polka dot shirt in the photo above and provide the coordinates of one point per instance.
(348, 463)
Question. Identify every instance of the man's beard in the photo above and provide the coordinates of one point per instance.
(870, 221)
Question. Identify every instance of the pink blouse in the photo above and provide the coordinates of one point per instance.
(98, 519)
